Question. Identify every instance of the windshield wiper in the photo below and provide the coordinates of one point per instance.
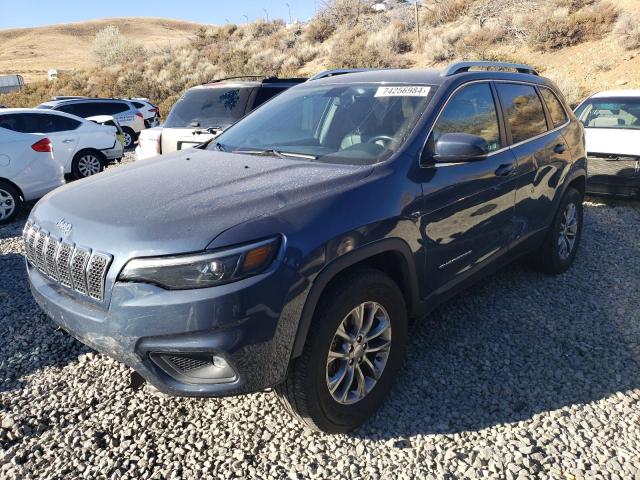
(275, 153)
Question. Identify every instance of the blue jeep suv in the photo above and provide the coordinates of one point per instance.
(294, 250)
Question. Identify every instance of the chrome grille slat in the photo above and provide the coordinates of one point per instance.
(73, 266)
(96, 272)
(78, 265)
(50, 257)
(62, 263)
(40, 244)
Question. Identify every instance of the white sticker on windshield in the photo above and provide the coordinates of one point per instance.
(405, 91)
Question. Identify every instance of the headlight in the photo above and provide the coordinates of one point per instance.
(202, 270)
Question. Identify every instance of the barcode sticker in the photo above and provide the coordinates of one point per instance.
(405, 91)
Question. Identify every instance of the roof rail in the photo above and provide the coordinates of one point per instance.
(340, 71)
(460, 67)
(68, 97)
(216, 80)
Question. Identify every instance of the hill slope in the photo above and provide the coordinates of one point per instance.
(33, 51)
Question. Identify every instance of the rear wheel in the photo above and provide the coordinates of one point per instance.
(352, 355)
(10, 202)
(87, 163)
(559, 248)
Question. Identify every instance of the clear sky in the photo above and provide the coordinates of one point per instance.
(31, 13)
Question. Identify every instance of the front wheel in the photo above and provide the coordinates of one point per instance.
(354, 350)
(559, 248)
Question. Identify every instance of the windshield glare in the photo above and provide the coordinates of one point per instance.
(209, 108)
(358, 124)
(619, 113)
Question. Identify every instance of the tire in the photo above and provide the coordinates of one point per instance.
(552, 256)
(10, 202)
(306, 392)
(129, 138)
(87, 163)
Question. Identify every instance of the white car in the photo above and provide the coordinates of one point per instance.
(131, 120)
(28, 170)
(83, 148)
(611, 122)
(150, 112)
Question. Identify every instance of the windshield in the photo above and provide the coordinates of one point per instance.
(620, 113)
(209, 108)
(353, 124)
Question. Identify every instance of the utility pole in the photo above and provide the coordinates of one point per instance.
(266, 13)
(289, 7)
(246, 18)
(419, 45)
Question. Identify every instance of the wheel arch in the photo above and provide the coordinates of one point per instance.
(391, 256)
(6, 180)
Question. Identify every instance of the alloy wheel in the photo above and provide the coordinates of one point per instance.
(7, 204)
(128, 140)
(88, 165)
(358, 353)
(568, 231)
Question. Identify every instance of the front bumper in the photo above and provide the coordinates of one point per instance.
(250, 324)
(614, 175)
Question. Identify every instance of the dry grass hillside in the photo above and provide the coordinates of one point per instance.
(584, 45)
(33, 51)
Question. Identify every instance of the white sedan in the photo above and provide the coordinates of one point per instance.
(27, 170)
(82, 147)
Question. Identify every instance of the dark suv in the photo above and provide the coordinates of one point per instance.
(294, 249)
(206, 110)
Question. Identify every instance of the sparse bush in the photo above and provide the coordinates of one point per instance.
(572, 92)
(352, 51)
(441, 12)
(551, 30)
(627, 30)
(319, 28)
(111, 47)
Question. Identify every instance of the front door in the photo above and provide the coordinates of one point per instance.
(467, 219)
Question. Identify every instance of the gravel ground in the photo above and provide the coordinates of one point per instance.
(523, 376)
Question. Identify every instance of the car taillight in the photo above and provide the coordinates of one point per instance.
(138, 114)
(154, 110)
(43, 145)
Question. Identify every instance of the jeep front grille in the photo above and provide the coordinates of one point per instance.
(75, 267)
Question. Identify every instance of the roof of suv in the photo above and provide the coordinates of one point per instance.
(256, 81)
(54, 103)
(433, 76)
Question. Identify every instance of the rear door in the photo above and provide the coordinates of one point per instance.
(64, 136)
(468, 206)
(535, 131)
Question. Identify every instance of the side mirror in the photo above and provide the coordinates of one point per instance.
(460, 147)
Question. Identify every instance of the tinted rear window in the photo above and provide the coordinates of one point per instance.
(524, 110)
(209, 108)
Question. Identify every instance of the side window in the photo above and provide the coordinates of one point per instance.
(524, 111)
(58, 123)
(14, 122)
(557, 112)
(471, 110)
(72, 109)
(266, 93)
(114, 108)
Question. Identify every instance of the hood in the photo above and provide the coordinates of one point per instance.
(613, 140)
(180, 202)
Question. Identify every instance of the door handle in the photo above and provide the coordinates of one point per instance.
(505, 169)
(68, 140)
(560, 148)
